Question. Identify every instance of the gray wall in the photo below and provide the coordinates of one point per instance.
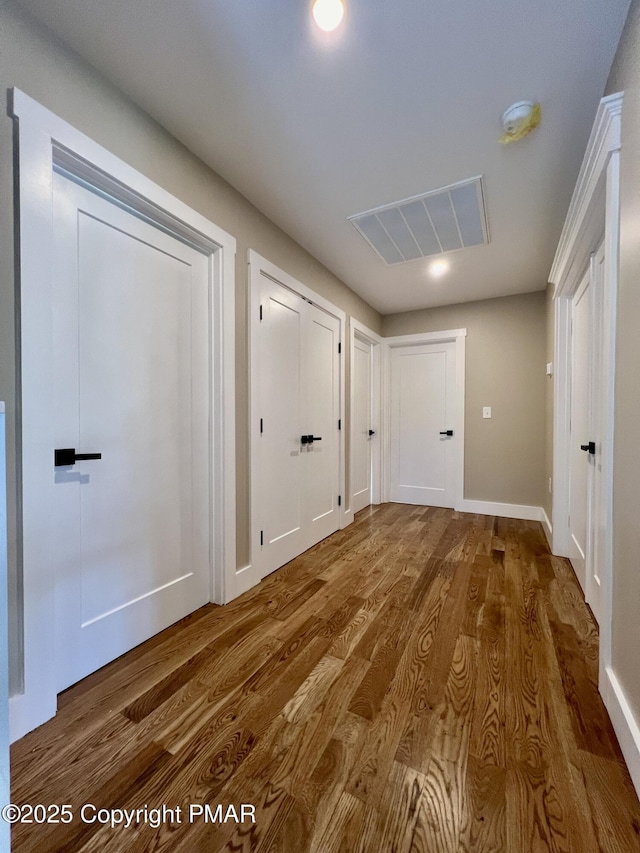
(504, 456)
(625, 75)
(34, 61)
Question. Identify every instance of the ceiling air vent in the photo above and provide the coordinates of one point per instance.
(443, 220)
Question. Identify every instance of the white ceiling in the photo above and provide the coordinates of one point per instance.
(404, 98)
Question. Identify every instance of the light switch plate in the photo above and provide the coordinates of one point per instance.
(549, 368)
(486, 412)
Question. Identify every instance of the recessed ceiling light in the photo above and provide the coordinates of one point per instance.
(328, 14)
(438, 268)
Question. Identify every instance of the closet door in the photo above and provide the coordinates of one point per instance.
(580, 429)
(295, 374)
(361, 431)
(131, 424)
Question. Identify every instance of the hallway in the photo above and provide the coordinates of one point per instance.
(423, 680)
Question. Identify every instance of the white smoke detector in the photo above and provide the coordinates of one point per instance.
(517, 115)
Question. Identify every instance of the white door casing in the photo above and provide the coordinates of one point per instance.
(131, 379)
(47, 144)
(296, 390)
(423, 466)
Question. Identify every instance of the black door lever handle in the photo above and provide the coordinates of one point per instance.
(68, 456)
(447, 432)
(372, 432)
(309, 439)
(589, 448)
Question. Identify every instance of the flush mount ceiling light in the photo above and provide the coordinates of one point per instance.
(438, 268)
(328, 14)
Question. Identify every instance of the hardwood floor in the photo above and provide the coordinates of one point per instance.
(421, 681)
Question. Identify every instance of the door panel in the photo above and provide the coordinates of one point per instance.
(422, 401)
(323, 411)
(597, 486)
(361, 374)
(131, 382)
(281, 406)
(296, 371)
(580, 430)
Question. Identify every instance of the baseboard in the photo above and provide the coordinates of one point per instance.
(624, 724)
(527, 513)
(546, 526)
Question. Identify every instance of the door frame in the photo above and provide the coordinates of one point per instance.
(248, 576)
(594, 211)
(358, 329)
(48, 144)
(457, 336)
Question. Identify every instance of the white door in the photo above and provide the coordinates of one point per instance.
(597, 485)
(296, 398)
(423, 424)
(131, 341)
(580, 429)
(362, 433)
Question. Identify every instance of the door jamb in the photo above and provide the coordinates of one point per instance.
(46, 143)
(357, 329)
(457, 336)
(248, 576)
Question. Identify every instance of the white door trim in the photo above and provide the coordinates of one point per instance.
(47, 143)
(360, 330)
(248, 576)
(594, 211)
(458, 336)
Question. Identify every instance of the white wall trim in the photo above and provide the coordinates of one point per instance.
(458, 336)
(522, 511)
(426, 338)
(577, 239)
(624, 723)
(45, 143)
(594, 213)
(547, 527)
(258, 265)
(364, 333)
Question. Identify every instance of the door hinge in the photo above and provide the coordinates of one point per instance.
(261, 312)
(339, 348)
(339, 423)
(339, 500)
(261, 426)
(262, 537)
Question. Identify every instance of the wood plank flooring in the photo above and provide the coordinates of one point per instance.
(421, 681)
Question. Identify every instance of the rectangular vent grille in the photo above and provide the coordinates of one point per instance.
(443, 220)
